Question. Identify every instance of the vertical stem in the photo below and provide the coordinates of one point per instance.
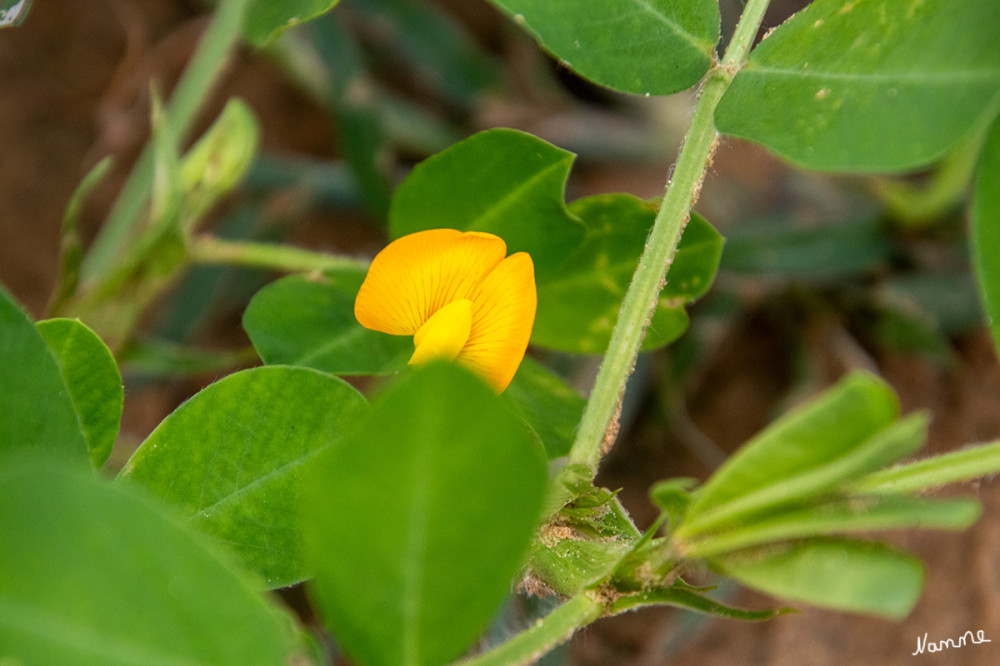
(201, 73)
(599, 420)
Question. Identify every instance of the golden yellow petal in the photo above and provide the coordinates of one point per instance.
(416, 275)
(502, 317)
(444, 334)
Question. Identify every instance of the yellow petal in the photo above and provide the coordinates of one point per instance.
(502, 317)
(418, 274)
(444, 334)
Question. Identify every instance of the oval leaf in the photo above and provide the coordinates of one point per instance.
(92, 377)
(868, 85)
(502, 181)
(232, 458)
(36, 410)
(986, 230)
(95, 573)
(417, 523)
(842, 574)
(640, 46)
(309, 321)
(550, 407)
(578, 306)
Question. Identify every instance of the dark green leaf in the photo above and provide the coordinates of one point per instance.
(639, 46)
(265, 20)
(869, 85)
(578, 306)
(36, 407)
(847, 431)
(417, 523)
(93, 381)
(841, 574)
(96, 573)
(309, 321)
(547, 404)
(502, 181)
(986, 229)
(233, 459)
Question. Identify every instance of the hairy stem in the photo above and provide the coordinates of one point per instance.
(211, 250)
(599, 423)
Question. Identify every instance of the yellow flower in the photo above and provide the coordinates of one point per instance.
(458, 296)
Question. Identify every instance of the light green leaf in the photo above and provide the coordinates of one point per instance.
(265, 20)
(841, 574)
(309, 321)
(639, 46)
(932, 472)
(233, 459)
(869, 85)
(547, 404)
(578, 306)
(417, 523)
(92, 377)
(501, 181)
(36, 407)
(840, 516)
(986, 229)
(846, 432)
(93, 573)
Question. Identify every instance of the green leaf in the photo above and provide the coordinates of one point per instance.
(417, 523)
(93, 381)
(309, 321)
(933, 472)
(841, 574)
(13, 12)
(672, 497)
(569, 566)
(869, 85)
(639, 46)
(986, 229)
(233, 459)
(578, 306)
(688, 599)
(547, 404)
(501, 181)
(847, 431)
(36, 406)
(97, 573)
(843, 515)
(265, 20)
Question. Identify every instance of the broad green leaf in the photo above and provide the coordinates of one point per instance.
(578, 306)
(640, 46)
(548, 405)
(36, 406)
(264, 20)
(93, 381)
(93, 573)
(853, 514)
(569, 566)
(847, 431)
(841, 574)
(417, 523)
(502, 181)
(792, 250)
(869, 85)
(309, 321)
(986, 229)
(234, 456)
(933, 472)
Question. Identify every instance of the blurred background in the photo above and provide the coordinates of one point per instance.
(820, 274)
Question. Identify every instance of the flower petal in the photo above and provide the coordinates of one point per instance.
(444, 334)
(503, 314)
(416, 275)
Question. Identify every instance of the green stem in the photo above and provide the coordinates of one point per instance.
(211, 250)
(599, 422)
(555, 628)
(201, 74)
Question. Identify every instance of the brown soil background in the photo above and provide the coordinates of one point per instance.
(73, 87)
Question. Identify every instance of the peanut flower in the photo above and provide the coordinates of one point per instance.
(458, 296)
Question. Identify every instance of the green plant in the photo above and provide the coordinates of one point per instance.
(411, 515)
